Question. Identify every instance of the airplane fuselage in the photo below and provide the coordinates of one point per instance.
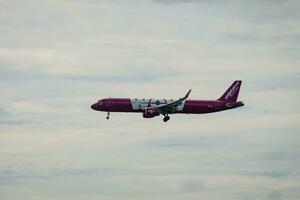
(139, 105)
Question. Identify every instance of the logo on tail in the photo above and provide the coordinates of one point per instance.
(232, 92)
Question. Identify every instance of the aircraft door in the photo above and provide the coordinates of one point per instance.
(108, 103)
(217, 105)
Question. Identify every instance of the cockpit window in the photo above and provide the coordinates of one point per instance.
(100, 102)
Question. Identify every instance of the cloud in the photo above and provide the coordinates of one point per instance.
(179, 1)
(57, 58)
(30, 107)
(275, 174)
(192, 187)
(275, 195)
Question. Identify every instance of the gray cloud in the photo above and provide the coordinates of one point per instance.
(275, 174)
(59, 57)
(193, 186)
(180, 1)
(275, 195)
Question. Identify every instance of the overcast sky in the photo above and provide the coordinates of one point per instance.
(58, 57)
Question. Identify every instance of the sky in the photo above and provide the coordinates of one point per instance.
(58, 57)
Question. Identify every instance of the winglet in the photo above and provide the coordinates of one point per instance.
(187, 94)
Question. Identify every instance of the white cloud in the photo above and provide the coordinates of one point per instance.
(58, 57)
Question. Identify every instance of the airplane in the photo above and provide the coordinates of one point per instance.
(155, 107)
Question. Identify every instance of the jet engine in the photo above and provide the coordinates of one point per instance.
(150, 112)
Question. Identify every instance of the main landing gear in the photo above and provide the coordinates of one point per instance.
(166, 118)
(108, 113)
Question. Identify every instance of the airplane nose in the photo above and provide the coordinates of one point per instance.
(94, 106)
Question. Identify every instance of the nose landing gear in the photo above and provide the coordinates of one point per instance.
(108, 113)
(166, 118)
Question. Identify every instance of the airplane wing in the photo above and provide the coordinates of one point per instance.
(170, 107)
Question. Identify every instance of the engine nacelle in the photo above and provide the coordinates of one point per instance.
(150, 112)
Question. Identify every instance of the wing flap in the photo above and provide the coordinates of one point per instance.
(171, 107)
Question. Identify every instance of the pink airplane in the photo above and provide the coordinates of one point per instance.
(154, 107)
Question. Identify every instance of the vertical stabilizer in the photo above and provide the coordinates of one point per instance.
(232, 92)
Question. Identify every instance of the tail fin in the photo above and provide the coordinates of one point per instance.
(232, 92)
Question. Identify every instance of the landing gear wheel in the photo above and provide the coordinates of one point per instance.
(108, 113)
(166, 118)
